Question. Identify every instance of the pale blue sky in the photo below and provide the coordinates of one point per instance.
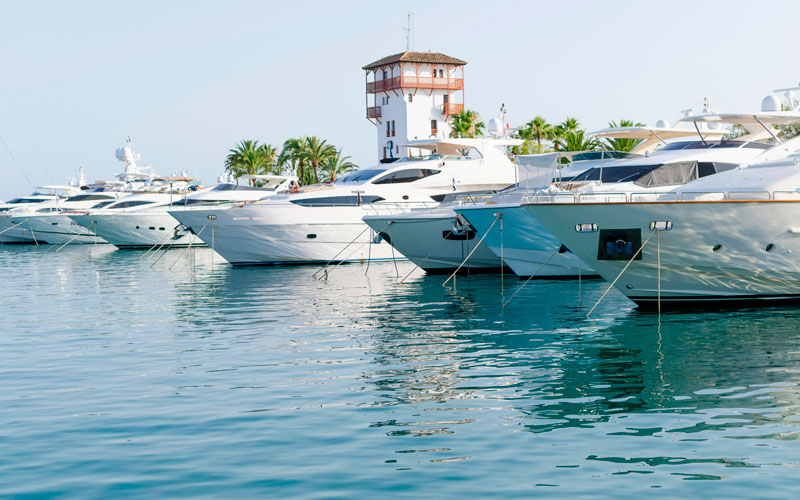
(186, 80)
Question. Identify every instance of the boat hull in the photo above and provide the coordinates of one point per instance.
(713, 253)
(430, 241)
(526, 246)
(287, 234)
(55, 229)
(132, 230)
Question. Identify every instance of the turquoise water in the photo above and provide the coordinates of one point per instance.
(123, 378)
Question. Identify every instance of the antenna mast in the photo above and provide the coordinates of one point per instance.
(409, 29)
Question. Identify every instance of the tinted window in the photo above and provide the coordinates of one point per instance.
(602, 155)
(91, 197)
(234, 187)
(26, 200)
(193, 201)
(408, 175)
(103, 204)
(615, 174)
(332, 201)
(129, 204)
(360, 176)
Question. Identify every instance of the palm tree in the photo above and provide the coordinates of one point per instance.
(467, 123)
(315, 151)
(269, 155)
(336, 165)
(560, 131)
(622, 144)
(248, 157)
(293, 157)
(576, 140)
(541, 129)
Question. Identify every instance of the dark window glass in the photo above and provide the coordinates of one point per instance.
(26, 200)
(103, 204)
(337, 201)
(194, 201)
(408, 175)
(359, 176)
(235, 187)
(129, 204)
(91, 197)
(615, 174)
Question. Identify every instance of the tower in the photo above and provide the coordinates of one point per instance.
(410, 96)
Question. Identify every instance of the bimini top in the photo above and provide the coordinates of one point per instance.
(450, 146)
(653, 135)
(760, 118)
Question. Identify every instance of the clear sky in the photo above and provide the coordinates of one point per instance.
(188, 79)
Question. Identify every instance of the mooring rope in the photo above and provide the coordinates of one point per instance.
(530, 277)
(444, 238)
(67, 243)
(12, 227)
(340, 251)
(496, 218)
(619, 275)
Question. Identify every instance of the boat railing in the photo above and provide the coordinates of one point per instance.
(396, 207)
(663, 196)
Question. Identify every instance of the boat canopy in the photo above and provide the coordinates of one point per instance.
(653, 135)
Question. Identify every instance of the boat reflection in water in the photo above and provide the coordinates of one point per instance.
(431, 375)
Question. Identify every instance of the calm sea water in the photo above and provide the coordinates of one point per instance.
(122, 377)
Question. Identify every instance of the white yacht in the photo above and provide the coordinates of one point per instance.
(50, 222)
(727, 237)
(10, 233)
(438, 240)
(142, 220)
(324, 222)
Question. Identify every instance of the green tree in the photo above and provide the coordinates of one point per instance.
(576, 140)
(335, 166)
(250, 157)
(467, 123)
(315, 152)
(293, 156)
(626, 144)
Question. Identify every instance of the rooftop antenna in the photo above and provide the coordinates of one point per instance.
(409, 29)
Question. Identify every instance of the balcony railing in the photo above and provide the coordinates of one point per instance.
(415, 82)
(373, 111)
(450, 108)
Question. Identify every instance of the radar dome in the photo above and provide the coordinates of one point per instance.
(494, 127)
(662, 124)
(770, 103)
(125, 154)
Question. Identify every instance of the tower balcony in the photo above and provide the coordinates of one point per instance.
(373, 111)
(415, 82)
(450, 108)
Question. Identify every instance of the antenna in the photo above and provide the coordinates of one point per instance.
(409, 29)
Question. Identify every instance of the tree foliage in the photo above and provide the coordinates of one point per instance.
(627, 144)
(250, 157)
(466, 124)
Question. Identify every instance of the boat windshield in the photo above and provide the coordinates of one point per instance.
(26, 200)
(431, 157)
(360, 176)
(90, 197)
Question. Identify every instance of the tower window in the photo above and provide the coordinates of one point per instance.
(410, 97)
(385, 75)
(392, 128)
(434, 128)
(446, 98)
(388, 128)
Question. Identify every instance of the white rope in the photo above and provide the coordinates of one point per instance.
(12, 227)
(444, 238)
(188, 248)
(530, 277)
(67, 243)
(618, 276)
(496, 218)
(340, 251)
(32, 233)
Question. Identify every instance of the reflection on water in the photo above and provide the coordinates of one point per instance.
(124, 374)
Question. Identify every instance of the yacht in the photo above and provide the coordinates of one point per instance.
(142, 220)
(721, 238)
(323, 222)
(49, 222)
(10, 233)
(438, 240)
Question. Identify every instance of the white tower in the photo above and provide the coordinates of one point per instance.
(410, 96)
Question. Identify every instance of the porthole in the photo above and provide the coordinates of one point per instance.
(137, 227)
(770, 247)
(311, 236)
(54, 223)
(152, 228)
(161, 229)
(717, 247)
(629, 287)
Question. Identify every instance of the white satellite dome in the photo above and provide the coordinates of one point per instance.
(125, 154)
(662, 124)
(770, 103)
(494, 127)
